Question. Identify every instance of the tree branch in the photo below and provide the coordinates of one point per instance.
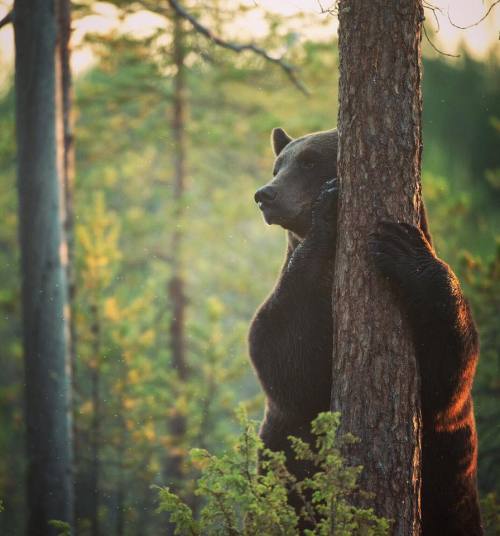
(8, 19)
(433, 9)
(477, 22)
(238, 48)
(333, 9)
(435, 47)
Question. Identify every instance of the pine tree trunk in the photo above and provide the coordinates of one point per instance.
(121, 449)
(43, 258)
(176, 286)
(95, 460)
(121, 483)
(177, 423)
(375, 378)
(68, 179)
(68, 170)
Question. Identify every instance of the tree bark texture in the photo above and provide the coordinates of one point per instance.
(43, 258)
(375, 377)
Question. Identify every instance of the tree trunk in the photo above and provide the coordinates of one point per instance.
(177, 424)
(121, 448)
(375, 378)
(176, 285)
(68, 179)
(95, 381)
(43, 258)
(68, 169)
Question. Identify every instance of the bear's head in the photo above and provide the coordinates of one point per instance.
(301, 167)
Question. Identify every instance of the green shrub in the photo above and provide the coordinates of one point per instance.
(240, 500)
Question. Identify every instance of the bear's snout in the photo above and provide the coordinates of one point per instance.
(266, 194)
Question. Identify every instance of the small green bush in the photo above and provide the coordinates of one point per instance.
(240, 500)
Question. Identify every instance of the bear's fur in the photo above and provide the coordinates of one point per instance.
(290, 337)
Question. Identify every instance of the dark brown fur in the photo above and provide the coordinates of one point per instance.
(290, 337)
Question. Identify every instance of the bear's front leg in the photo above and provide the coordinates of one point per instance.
(446, 346)
(441, 322)
(322, 235)
(290, 338)
(314, 255)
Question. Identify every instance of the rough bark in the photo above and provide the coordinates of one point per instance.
(375, 379)
(43, 258)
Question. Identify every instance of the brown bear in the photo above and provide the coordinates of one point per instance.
(290, 339)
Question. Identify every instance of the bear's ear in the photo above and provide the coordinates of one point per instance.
(279, 140)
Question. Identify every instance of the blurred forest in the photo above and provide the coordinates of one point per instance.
(127, 394)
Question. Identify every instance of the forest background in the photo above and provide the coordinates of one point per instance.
(126, 392)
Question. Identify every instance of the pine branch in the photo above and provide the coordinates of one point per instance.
(238, 48)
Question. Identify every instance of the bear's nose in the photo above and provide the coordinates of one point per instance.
(266, 194)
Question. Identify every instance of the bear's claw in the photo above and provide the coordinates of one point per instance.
(325, 206)
(399, 251)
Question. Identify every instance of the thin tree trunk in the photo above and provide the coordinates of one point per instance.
(68, 169)
(177, 423)
(95, 381)
(176, 286)
(176, 283)
(43, 258)
(68, 176)
(375, 379)
(120, 517)
(122, 445)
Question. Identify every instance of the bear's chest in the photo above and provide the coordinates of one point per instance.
(291, 351)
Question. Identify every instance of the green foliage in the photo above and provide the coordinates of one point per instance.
(63, 528)
(335, 484)
(180, 514)
(97, 236)
(242, 500)
(124, 218)
(11, 382)
(490, 509)
(238, 500)
(461, 154)
(483, 280)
